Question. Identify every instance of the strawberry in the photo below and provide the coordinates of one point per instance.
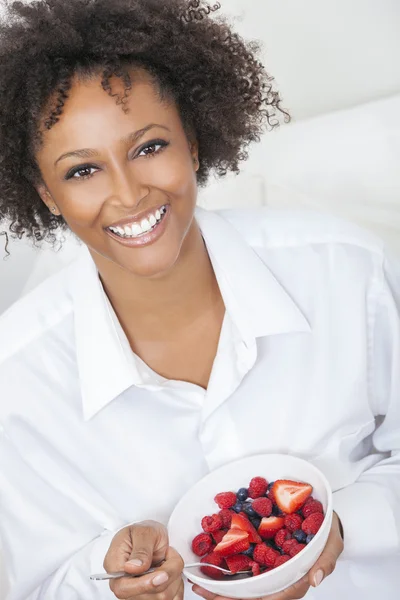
(295, 549)
(293, 522)
(269, 526)
(239, 562)
(262, 506)
(226, 517)
(312, 523)
(282, 536)
(202, 544)
(233, 542)
(257, 487)
(290, 495)
(240, 521)
(312, 507)
(210, 524)
(216, 560)
(281, 560)
(218, 535)
(225, 499)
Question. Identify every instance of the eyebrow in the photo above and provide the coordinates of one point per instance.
(129, 139)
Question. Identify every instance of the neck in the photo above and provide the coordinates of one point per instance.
(160, 307)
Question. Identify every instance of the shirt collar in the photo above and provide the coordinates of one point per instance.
(255, 300)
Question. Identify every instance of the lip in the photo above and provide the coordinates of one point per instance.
(146, 238)
(136, 218)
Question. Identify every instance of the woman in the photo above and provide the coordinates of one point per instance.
(181, 339)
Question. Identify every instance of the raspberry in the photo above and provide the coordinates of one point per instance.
(225, 499)
(312, 507)
(295, 549)
(286, 546)
(281, 560)
(238, 562)
(255, 567)
(265, 555)
(293, 522)
(210, 524)
(218, 535)
(262, 506)
(312, 523)
(226, 517)
(216, 560)
(258, 487)
(282, 536)
(202, 544)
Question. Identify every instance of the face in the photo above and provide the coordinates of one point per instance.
(130, 192)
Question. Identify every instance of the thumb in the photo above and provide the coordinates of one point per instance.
(326, 563)
(149, 545)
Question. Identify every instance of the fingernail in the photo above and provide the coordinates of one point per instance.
(160, 578)
(318, 577)
(136, 562)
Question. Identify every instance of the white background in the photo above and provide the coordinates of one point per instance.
(336, 64)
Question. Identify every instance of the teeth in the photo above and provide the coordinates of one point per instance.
(145, 224)
(138, 228)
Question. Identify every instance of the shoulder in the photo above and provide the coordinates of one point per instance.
(287, 228)
(32, 317)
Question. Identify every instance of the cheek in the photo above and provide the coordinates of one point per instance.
(82, 207)
(173, 175)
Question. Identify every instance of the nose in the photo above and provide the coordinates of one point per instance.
(128, 189)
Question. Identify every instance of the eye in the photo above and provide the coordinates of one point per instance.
(152, 148)
(81, 169)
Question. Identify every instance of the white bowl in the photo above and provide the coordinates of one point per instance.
(185, 521)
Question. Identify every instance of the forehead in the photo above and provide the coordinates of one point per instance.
(91, 118)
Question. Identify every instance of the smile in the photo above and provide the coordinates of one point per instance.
(140, 228)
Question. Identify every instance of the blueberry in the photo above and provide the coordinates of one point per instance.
(249, 510)
(300, 536)
(249, 551)
(269, 487)
(255, 521)
(276, 511)
(309, 538)
(238, 507)
(242, 494)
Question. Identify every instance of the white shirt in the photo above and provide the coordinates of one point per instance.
(308, 363)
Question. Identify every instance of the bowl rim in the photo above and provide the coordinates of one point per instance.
(328, 512)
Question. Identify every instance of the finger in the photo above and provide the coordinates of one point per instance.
(295, 591)
(326, 563)
(144, 541)
(181, 590)
(169, 574)
(123, 590)
(203, 593)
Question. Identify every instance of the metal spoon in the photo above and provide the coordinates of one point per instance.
(118, 574)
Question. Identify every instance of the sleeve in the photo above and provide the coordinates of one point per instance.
(51, 542)
(370, 508)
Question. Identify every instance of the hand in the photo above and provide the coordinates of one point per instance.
(135, 549)
(322, 568)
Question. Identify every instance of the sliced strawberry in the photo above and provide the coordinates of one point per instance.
(240, 521)
(270, 526)
(233, 542)
(290, 495)
(239, 562)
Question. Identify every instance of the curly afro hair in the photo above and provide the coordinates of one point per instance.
(222, 91)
